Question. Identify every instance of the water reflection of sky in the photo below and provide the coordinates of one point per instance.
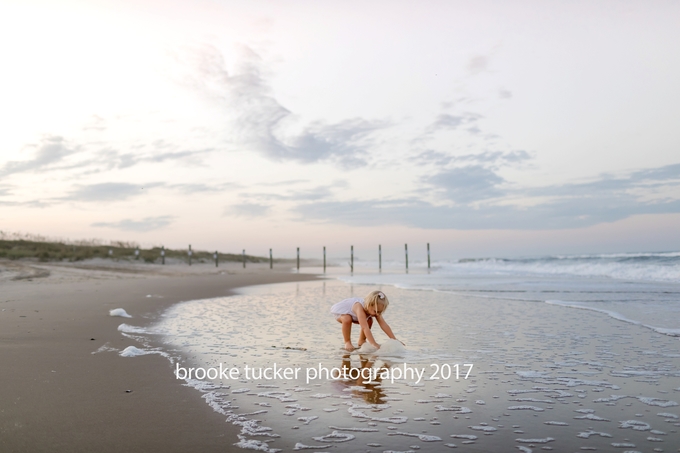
(534, 363)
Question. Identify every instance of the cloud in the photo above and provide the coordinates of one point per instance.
(665, 173)
(285, 183)
(112, 159)
(450, 122)
(466, 184)
(260, 122)
(313, 193)
(431, 157)
(493, 159)
(421, 214)
(107, 191)
(467, 121)
(248, 210)
(477, 198)
(118, 191)
(668, 175)
(51, 150)
(55, 153)
(146, 224)
(189, 189)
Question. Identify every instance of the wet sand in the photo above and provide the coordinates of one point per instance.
(56, 395)
(545, 377)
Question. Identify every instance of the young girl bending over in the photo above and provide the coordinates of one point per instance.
(362, 311)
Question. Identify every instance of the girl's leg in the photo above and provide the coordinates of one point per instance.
(362, 335)
(346, 321)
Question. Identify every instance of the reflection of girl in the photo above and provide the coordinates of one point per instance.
(373, 394)
(362, 311)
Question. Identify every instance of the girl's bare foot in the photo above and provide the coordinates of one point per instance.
(349, 347)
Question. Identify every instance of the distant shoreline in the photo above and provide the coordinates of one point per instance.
(74, 251)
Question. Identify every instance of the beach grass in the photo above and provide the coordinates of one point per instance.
(50, 251)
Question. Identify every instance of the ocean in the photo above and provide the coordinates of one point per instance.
(564, 353)
(640, 288)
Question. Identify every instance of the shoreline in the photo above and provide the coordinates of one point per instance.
(59, 395)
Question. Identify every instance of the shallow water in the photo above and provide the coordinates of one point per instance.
(543, 376)
(652, 303)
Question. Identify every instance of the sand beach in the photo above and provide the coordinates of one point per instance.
(58, 395)
(480, 372)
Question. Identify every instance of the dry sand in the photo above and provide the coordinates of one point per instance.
(56, 395)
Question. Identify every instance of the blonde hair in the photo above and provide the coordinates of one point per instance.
(374, 299)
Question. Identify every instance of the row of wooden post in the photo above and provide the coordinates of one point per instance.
(351, 259)
(271, 258)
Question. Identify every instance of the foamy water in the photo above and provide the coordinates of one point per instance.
(544, 376)
(651, 267)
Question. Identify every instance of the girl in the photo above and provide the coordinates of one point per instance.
(362, 311)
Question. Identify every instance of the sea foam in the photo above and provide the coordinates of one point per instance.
(119, 312)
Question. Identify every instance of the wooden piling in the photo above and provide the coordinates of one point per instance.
(271, 260)
(428, 256)
(163, 255)
(406, 253)
(379, 258)
(244, 258)
(298, 259)
(351, 262)
(324, 259)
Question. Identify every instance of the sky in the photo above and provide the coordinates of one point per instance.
(485, 128)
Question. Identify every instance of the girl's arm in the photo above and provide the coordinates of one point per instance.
(363, 322)
(385, 327)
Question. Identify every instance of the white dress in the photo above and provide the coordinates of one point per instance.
(344, 307)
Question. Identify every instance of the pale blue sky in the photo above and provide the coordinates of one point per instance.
(485, 128)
